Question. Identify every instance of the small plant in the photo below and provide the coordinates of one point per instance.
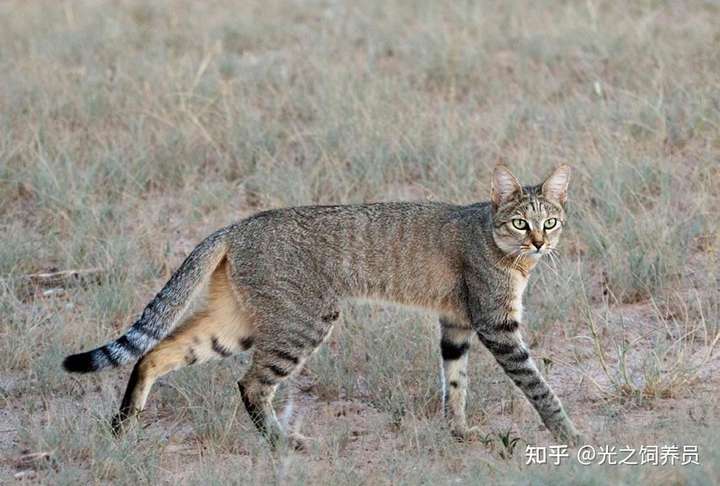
(507, 444)
(659, 362)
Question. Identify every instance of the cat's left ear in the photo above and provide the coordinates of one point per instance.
(555, 187)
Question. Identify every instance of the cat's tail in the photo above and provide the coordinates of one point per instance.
(161, 314)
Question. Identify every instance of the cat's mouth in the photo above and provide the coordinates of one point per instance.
(534, 252)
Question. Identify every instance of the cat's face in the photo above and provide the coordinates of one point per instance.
(528, 220)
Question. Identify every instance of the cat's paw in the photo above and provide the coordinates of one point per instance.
(122, 422)
(468, 434)
(576, 439)
(570, 437)
(298, 442)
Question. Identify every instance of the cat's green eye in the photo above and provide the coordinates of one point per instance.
(550, 223)
(519, 224)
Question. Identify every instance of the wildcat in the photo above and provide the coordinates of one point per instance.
(277, 279)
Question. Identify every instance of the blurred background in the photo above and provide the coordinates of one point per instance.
(129, 130)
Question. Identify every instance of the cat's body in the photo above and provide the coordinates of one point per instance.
(277, 280)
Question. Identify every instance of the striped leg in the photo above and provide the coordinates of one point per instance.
(280, 351)
(203, 337)
(454, 346)
(512, 354)
(217, 331)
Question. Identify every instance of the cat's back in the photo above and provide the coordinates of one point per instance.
(339, 224)
(379, 248)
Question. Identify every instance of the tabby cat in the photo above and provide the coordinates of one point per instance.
(277, 280)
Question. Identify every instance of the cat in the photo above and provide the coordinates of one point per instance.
(277, 279)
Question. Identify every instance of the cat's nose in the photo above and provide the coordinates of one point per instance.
(538, 244)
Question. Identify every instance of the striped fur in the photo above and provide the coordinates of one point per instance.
(277, 281)
(160, 315)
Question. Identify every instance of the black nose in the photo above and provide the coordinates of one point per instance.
(537, 244)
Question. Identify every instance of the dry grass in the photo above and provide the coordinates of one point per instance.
(129, 130)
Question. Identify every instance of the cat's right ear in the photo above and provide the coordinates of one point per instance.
(504, 186)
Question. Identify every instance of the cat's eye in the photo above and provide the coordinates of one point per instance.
(519, 224)
(550, 223)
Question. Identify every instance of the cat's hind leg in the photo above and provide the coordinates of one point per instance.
(219, 330)
(285, 339)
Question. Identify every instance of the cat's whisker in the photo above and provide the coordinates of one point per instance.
(554, 259)
(507, 256)
(551, 267)
(555, 254)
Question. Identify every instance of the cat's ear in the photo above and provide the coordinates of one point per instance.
(555, 187)
(504, 186)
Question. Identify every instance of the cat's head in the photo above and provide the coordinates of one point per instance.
(528, 220)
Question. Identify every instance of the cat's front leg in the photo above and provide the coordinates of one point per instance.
(506, 344)
(454, 347)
